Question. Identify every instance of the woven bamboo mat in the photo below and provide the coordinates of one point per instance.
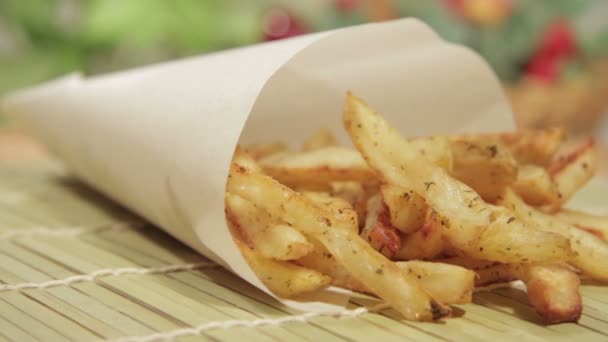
(74, 266)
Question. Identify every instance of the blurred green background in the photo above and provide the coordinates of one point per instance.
(547, 40)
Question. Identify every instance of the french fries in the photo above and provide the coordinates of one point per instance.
(574, 170)
(590, 252)
(436, 149)
(407, 210)
(486, 166)
(378, 274)
(316, 169)
(283, 278)
(418, 222)
(535, 185)
(478, 229)
(553, 290)
(531, 147)
(323, 261)
(271, 240)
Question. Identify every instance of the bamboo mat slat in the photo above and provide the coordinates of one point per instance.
(54, 228)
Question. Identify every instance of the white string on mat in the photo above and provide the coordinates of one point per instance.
(303, 318)
(69, 231)
(516, 284)
(91, 277)
(199, 329)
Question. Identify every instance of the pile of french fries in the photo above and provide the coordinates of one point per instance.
(420, 223)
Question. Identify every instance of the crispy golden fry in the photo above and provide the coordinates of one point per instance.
(260, 231)
(321, 260)
(530, 147)
(590, 252)
(573, 171)
(553, 290)
(381, 276)
(338, 206)
(317, 169)
(554, 293)
(436, 149)
(406, 208)
(322, 138)
(486, 166)
(447, 283)
(426, 243)
(283, 278)
(259, 151)
(596, 225)
(480, 230)
(535, 185)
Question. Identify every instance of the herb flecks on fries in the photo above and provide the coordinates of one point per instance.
(418, 222)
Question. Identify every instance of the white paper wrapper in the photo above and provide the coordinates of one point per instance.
(159, 139)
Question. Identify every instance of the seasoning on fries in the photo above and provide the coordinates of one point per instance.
(419, 223)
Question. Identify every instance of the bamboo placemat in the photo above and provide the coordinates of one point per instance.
(77, 267)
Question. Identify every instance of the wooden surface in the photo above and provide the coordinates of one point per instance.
(52, 228)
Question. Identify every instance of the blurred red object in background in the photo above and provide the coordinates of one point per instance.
(278, 23)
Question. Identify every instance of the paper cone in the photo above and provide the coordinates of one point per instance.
(159, 139)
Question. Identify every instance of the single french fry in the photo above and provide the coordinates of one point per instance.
(281, 277)
(535, 185)
(535, 147)
(378, 274)
(486, 166)
(261, 231)
(573, 171)
(317, 169)
(590, 252)
(406, 208)
(594, 224)
(553, 290)
(436, 149)
(448, 283)
(480, 230)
